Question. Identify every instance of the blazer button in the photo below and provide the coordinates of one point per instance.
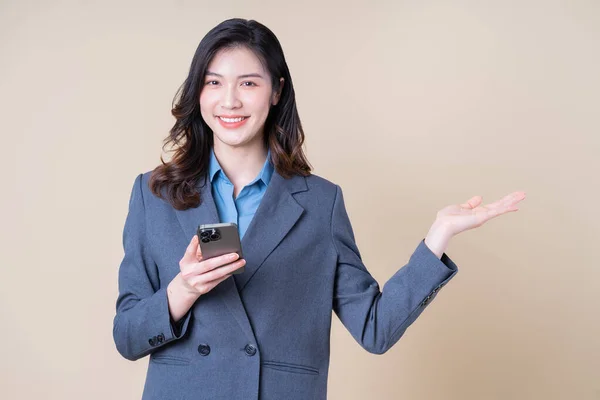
(152, 341)
(204, 349)
(160, 338)
(250, 350)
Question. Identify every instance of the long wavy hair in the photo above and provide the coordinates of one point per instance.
(191, 139)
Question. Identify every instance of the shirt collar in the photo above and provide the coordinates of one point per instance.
(264, 175)
(267, 170)
(213, 166)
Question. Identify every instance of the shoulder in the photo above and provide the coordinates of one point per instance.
(319, 191)
(141, 184)
(319, 182)
(144, 178)
(141, 187)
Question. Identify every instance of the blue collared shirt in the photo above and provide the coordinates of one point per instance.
(241, 209)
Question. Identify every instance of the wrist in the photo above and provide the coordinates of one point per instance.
(179, 298)
(180, 289)
(437, 239)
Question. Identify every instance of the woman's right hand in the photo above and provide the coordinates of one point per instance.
(197, 277)
(200, 276)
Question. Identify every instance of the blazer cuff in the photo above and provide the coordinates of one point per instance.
(445, 260)
(180, 327)
(170, 329)
(151, 325)
(437, 271)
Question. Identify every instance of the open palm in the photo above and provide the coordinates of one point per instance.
(469, 215)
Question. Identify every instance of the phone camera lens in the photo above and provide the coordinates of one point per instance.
(215, 234)
(204, 234)
(205, 240)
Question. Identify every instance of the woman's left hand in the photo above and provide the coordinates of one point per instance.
(461, 217)
(458, 218)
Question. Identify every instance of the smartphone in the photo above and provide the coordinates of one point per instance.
(218, 239)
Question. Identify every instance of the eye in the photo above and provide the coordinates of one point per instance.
(212, 83)
(248, 83)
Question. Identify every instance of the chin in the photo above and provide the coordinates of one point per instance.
(233, 140)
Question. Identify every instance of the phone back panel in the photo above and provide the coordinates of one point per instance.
(218, 239)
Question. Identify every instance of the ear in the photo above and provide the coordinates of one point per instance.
(277, 94)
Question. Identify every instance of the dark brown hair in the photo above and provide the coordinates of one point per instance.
(192, 139)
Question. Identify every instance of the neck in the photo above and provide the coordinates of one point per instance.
(240, 164)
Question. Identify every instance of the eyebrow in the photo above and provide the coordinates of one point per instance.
(239, 77)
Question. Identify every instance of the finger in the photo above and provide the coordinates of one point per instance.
(217, 281)
(217, 262)
(502, 206)
(512, 199)
(492, 212)
(219, 272)
(205, 266)
(518, 196)
(498, 203)
(198, 251)
(190, 251)
(204, 288)
(508, 200)
(472, 202)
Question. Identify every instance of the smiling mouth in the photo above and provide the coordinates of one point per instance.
(231, 120)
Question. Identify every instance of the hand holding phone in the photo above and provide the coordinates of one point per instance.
(219, 239)
(200, 274)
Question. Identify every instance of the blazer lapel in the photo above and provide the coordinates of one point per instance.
(206, 213)
(277, 213)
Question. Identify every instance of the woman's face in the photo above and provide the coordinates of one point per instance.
(236, 97)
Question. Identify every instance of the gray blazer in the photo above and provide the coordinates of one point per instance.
(263, 334)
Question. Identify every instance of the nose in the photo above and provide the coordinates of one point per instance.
(230, 100)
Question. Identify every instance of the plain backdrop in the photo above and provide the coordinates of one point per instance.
(408, 105)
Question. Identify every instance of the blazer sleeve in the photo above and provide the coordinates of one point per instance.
(377, 319)
(142, 322)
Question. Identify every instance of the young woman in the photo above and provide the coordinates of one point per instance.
(264, 333)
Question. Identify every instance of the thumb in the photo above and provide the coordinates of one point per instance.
(198, 250)
(472, 202)
(192, 252)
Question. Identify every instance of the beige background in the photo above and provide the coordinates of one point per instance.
(409, 106)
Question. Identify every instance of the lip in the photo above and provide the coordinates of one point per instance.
(232, 125)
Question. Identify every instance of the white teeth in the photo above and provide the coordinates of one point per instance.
(230, 120)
